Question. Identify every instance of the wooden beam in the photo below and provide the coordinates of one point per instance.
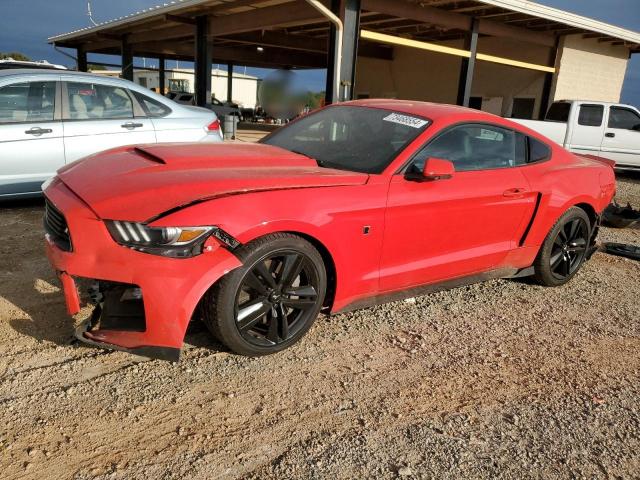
(179, 19)
(109, 36)
(288, 14)
(455, 20)
(180, 31)
(239, 55)
(236, 4)
(269, 38)
(101, 45)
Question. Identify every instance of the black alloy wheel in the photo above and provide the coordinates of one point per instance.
(271, 301)
(276, 297)
(569, 248)
(564, 250)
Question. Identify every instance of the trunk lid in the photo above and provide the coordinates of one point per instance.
(138, 183)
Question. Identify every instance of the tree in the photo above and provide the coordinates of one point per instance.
(15, 55)
(93, 66)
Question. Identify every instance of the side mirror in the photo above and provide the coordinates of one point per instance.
(437, 169)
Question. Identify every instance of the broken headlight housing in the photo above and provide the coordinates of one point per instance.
(175, 242)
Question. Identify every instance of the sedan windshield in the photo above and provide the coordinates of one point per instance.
(359, 139)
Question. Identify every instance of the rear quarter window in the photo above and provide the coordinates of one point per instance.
(538, 151)
(152, 107)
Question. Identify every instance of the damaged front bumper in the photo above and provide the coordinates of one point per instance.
(119, 308)
(169, 288)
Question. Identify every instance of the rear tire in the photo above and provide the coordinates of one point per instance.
(271, 301)
(564, 250)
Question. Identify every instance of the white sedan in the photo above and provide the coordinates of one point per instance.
(49, 118)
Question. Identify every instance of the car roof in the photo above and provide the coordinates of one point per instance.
(35, 71)
(57, 72)
(432, 111)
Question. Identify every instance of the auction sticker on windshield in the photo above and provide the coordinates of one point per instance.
(405, 120)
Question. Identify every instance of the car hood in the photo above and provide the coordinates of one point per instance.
(140, 183)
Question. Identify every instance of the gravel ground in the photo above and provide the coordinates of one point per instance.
(500, 380)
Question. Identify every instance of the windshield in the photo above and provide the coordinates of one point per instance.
(359, 139)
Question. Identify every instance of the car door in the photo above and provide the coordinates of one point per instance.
(448, 228)
(100, 116)
(587, 129)
(31, 134)
(621, 141)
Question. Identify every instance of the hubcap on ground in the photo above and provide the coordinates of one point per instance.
(569, 248)
(276, 298)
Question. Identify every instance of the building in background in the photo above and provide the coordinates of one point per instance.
(508, 57)
(585, 69)
(245, 87)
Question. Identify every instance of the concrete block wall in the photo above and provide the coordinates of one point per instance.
(589, 70)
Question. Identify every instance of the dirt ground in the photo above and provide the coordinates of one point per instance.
(499, 380)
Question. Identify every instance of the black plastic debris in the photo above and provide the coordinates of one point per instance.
(622, 250)
(620, 217)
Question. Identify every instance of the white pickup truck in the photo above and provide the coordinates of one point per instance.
(608, 130)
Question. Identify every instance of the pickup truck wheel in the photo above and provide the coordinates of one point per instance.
(564, 250)
(272, 300)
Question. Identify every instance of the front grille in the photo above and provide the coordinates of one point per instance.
(56, 226)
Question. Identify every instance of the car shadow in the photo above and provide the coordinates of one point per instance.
(31, 298)
(22, 203)
(629, 175)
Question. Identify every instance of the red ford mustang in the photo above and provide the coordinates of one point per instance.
(356, 204)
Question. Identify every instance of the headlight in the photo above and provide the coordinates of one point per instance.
(176, 242)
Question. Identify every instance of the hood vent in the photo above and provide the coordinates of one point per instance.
(149, 156)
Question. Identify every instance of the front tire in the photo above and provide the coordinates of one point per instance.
(271, 301)
(564, 250)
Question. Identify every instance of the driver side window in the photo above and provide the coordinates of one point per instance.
(475, 147)
(623, 118)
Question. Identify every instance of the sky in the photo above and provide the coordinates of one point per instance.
(25, 26)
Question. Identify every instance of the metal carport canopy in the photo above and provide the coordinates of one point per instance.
(294, 34)
(162, 30)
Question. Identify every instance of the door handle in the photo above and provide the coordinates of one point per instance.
(610, 134)
(37, 131)
(514, 193)
(131, 125)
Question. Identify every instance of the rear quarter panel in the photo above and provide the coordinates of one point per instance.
(170, 130)
(565, 181)
(335, 217)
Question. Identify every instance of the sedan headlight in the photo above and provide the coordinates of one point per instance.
(176, 242)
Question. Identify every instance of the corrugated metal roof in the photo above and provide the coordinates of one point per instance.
(162, 9)
(567, 18)
(521, 6)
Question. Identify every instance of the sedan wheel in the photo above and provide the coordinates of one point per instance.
(272, 300)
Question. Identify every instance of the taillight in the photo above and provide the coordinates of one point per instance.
(214, 126)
